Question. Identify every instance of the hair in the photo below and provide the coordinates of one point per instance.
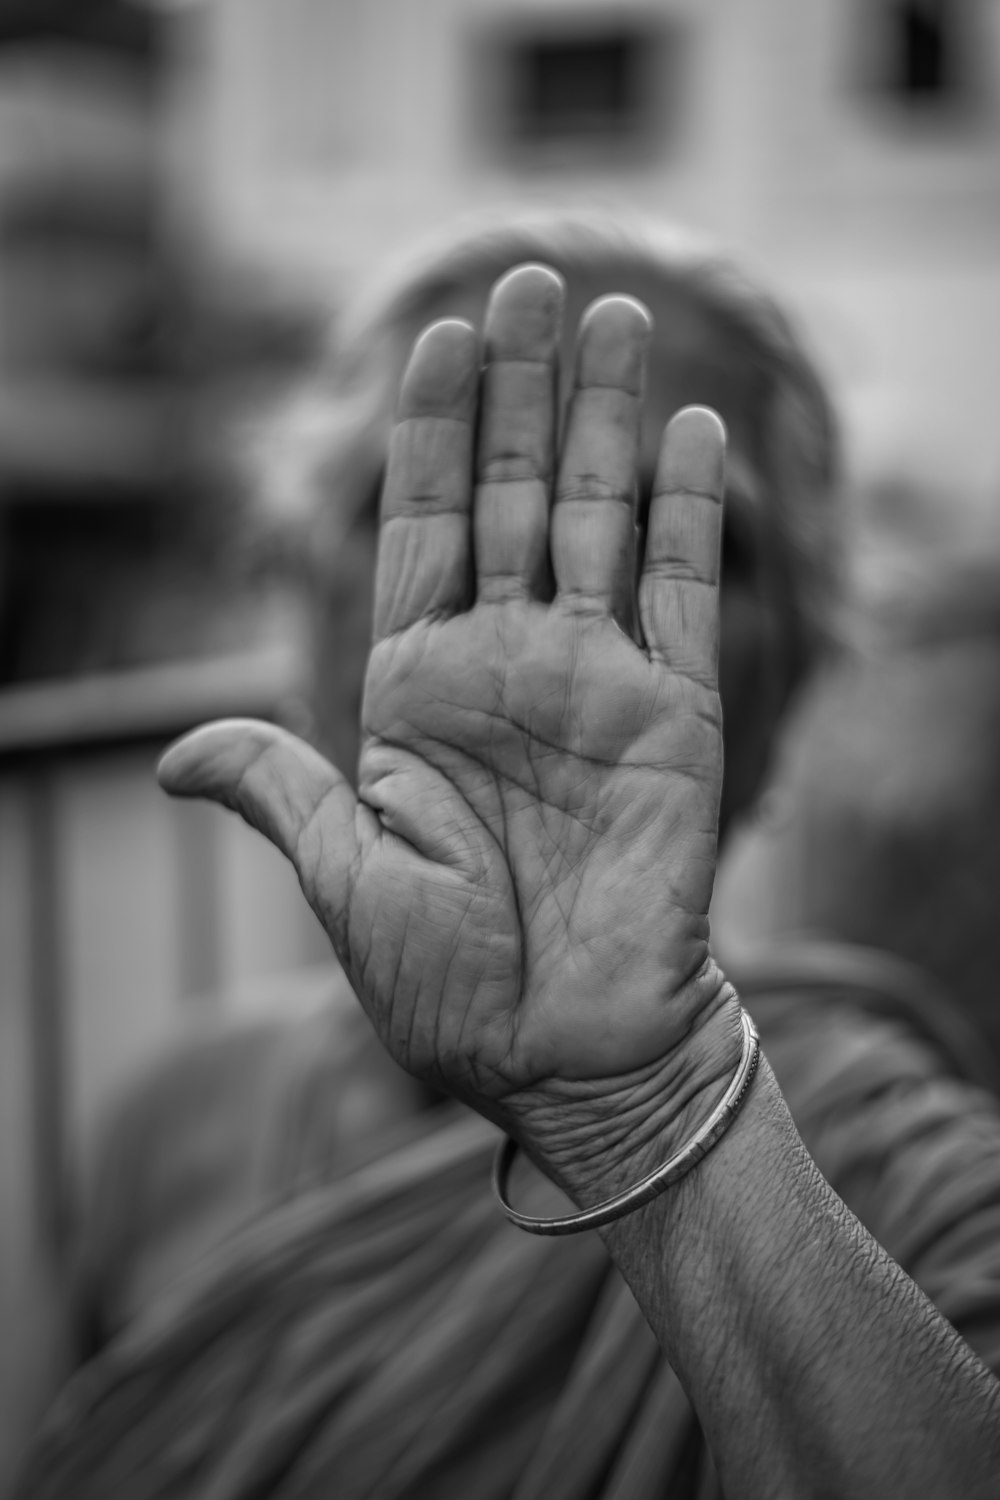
(324, 465)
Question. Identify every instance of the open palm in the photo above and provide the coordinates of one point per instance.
(519, 889)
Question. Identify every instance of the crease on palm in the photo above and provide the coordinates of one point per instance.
(558, 745)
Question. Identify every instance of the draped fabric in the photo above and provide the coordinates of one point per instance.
(385, 1333)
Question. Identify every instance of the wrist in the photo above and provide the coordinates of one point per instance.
(596, 1137)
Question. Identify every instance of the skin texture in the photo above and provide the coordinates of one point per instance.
(525, 766)
(690, 359)
(519, 890)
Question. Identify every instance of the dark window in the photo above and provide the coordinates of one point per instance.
(112, 26)
(576, 89)
(926, 53)
(924, 60)
(582, 86)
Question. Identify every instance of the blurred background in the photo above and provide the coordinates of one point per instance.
(187, 192)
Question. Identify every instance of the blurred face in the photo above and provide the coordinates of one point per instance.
(690, 362)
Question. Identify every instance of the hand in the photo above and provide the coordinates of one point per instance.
(519, 890)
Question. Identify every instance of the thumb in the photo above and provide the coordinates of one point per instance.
(276, 782)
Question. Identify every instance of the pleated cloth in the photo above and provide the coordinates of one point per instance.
(389, 1335)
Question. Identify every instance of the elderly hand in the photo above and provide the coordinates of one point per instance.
(519, 890)
(519, 893)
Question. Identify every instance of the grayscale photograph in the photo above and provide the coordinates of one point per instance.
(500, 749)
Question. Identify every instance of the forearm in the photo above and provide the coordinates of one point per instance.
(815, 1365)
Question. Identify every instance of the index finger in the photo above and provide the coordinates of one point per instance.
(424, 530)
(679, 586)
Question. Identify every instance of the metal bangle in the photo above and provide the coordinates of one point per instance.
(657, 1182)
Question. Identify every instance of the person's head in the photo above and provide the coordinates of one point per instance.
(718, 341)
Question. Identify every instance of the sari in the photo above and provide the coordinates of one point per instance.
(385, 1333)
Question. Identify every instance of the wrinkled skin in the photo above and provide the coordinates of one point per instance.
(535, 807)
(691, 360)
(519, 890)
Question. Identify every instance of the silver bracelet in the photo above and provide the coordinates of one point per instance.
(657, 1182)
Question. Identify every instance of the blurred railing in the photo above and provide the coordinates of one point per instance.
(121, 914)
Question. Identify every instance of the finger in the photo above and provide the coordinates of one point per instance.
(679, 587)
(424, 543)
(593, 520)
(517, 435)
(277, 784)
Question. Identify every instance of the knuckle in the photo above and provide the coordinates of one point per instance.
(591, 488)
(511, 468)
(677, 570)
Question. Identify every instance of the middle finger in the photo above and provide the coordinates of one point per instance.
(593, 519)
(517, 435)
